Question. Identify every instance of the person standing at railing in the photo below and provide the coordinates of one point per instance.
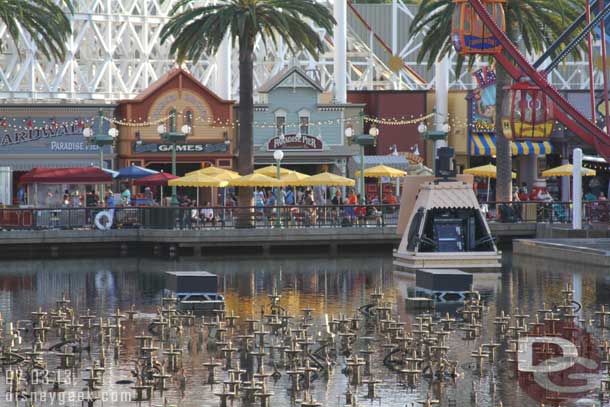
(523, 195)
(375, 212)
(21, 195)
(517, 206)
(270, 206)
(337, 202)
(76, 199)
(66, 198)
(352, 201)
(49, 199)
(207, 215)
(230, 203)
(308, 212)
(149, 199)
(125, 196)
(360, 212)
(289, 197)
(589, 196)
(319, 195)
(544, 196)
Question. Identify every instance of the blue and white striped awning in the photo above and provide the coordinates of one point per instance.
(485, 144)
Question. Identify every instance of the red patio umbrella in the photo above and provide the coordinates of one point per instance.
(86, 175)
(159, 179)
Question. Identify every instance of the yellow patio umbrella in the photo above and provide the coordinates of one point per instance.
(217, 172)
(222, 174)
(255, 180)
(292, 178)
(271, 171)
(485, 171)
(566, 171)
(381, 171)
(327, 179)
(198, 180)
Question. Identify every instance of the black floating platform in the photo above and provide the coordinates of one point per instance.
(443, 280)
(191, 282)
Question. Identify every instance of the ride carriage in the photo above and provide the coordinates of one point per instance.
(468, 33)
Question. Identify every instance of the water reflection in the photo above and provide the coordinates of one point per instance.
(328, 286)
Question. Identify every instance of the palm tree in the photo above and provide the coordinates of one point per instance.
(531, 24)
(44, 20)
(199, 31)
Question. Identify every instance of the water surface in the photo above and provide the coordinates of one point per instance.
(327, 285)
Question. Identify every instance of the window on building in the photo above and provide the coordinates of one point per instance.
(280, 122)
(304, 122)
(188, 118)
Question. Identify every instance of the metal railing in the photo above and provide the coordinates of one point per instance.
(545, 212)
(189, 218)
(192, 218)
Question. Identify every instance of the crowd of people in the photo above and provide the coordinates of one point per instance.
(308, 206)
(299, 206)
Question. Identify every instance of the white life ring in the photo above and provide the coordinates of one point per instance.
(107, 223)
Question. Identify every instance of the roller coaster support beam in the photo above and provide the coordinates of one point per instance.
(590, 61)
(563, 37)
(597, 20)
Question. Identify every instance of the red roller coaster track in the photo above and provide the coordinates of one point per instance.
(584, 128)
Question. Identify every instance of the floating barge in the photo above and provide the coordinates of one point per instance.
(446, 229)
(196, 291)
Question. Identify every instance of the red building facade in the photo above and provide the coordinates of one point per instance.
(397, 105)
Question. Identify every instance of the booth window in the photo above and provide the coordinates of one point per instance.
(304, 122)
(280, 122)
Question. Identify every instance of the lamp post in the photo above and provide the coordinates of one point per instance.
(100, 140)
(278, 155)
(435, 136)
(362, 140)
(173, 137)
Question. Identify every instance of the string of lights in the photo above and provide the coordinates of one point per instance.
(29, 124)
(25, 124)
(398, 122)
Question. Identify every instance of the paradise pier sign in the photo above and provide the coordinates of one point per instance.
(295, 142)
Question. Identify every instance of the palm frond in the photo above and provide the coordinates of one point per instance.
(199, 31)
(44, 21)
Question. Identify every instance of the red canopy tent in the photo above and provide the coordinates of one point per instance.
(86, 175)
(159, 179)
